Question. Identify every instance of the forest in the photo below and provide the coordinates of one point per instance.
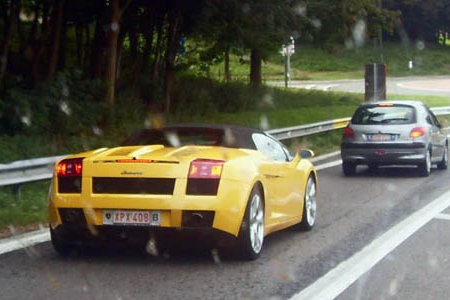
(139, 48)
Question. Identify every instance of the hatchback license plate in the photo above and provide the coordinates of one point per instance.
(381, 137)
(132, 217)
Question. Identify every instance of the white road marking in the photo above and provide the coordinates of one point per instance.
(443, 217)
(329, 165)
(24, 240)
(421, 88)
(346, 273)
(325, 156)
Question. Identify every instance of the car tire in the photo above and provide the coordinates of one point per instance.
(63, 248)
(309, 205)
(251, 236)
(372, 166)
(443, 164)
(425, 166)
(349, 168)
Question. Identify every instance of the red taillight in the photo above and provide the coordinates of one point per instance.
(70, 167)
(205, 168)
(417, 132)
(348, 132)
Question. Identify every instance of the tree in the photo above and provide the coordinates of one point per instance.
(258, 26)
(424, 20)
(10, 16)
(57, 20)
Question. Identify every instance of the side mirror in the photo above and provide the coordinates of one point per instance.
(306, 153)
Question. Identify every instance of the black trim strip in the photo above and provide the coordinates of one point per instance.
(382, 146)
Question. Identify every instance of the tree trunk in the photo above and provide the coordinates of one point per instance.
(41, 42)
(227, 73)
(111, 57)
(79, 43)
(86, 45)
(255, 68)
(9, 25)
(157, 57)
(57, 17)
(172, 48)
(62, 46)
(148, 36)
(98, 45)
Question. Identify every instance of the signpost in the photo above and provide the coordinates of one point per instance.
(287, 51)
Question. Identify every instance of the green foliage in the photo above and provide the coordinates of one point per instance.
(312, 63)
(29, 208)
(67, 105)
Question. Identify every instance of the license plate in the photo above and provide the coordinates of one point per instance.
(132, 217)
(381, 137)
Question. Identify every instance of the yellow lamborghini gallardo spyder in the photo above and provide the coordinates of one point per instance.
(223, 182)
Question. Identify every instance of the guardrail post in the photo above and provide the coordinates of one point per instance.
(17, 191)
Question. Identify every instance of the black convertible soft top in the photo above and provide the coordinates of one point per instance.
(195, 134)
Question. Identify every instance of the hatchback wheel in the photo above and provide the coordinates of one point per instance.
(443, 164)
(372, 166)
(425, 166)
(349, 168)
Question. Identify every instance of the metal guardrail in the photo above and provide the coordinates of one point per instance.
(24, 171)
(308, 129)
(439, 111)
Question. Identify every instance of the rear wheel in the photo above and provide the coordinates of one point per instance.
(309, 205)
(425, 166)
(443, 164)
(372, 166)
(349, 168)
(251, 236)
(59, 244)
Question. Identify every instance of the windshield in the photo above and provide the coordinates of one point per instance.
(396, 114)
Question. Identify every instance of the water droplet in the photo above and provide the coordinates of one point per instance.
(264, 122)
(316, 23)
(64, 106)
(215, 256)
(97, 130)
(301, 9)
(114, 26)
(151, 247)
(359, 33)
(420, 45)
(26, 120)
(393, 287)
(173, 139)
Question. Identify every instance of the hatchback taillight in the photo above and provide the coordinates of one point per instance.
(70, 167)
(348, 132)
(417, 132)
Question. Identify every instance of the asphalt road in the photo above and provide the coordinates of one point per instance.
(352, 213)
(430, 85)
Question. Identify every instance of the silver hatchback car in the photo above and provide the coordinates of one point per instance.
(394, 133)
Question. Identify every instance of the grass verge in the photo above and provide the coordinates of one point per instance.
(20, 210)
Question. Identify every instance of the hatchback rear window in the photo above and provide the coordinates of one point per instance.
(395, 114)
